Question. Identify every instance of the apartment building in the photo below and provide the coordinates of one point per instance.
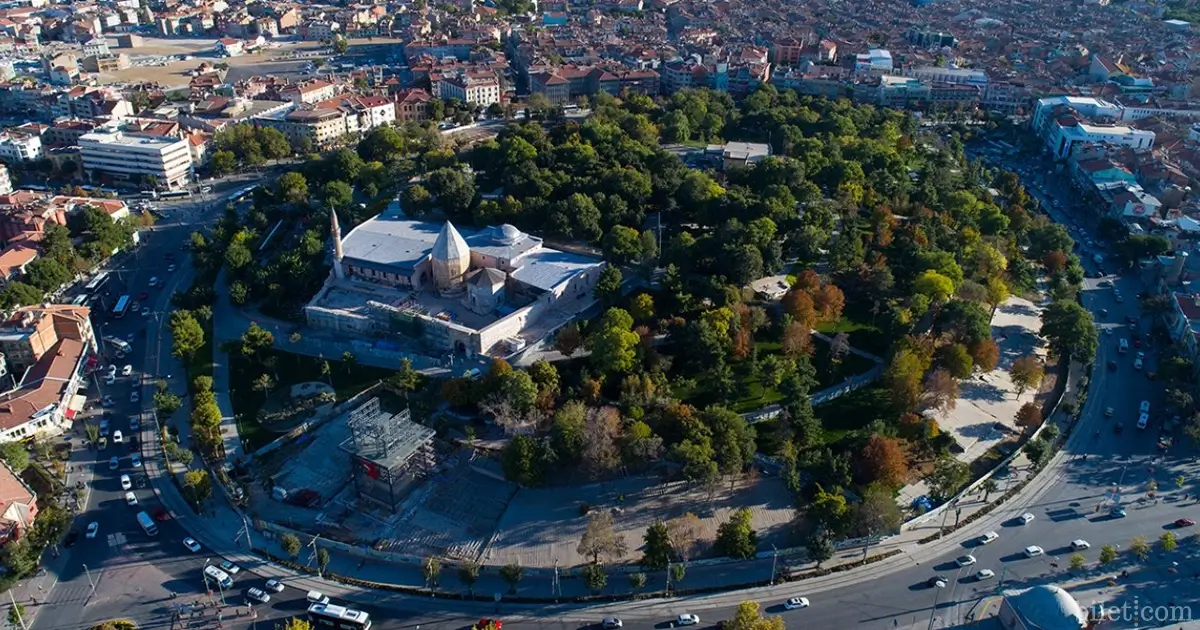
(132, 156)
(310, 92)
(321, 126)
(413, 105)
(475, 91)
(6, 185)
(18, 505)
(18, 146)
(48, 349)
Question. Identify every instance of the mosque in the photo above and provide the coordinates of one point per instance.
(487, 292)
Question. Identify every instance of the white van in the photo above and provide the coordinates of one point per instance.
(317, 597)
(217, 575)
(1123, 346)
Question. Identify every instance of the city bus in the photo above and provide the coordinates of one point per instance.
(147, 523)
(96, 282)
(338, 617)
(176, 194)
(122, 306)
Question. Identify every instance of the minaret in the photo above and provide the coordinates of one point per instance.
(336, 232)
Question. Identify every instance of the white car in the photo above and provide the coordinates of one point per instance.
(92, 530)
(988, 538)
(1026, 518)
(170, 268)
(985, 574)
(136, 461)
(191, 544)
(257, 595)
(1143, 420)
(126, 484)
(127, 370)
(965, 561)
(275, 586)
(230, 568)
(610, 623)
(130, 498)
(117, 437)
(687, 619)
(1144, 407)
(1033, 551)
(796, 603)
(1080, 545)
(153, 282)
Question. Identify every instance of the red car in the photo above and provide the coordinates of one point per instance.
(143, 295)
(1137, 343)
(161, 515)
(1184, 522)
(488, 624)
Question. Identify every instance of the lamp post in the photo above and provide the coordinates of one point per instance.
(937, 592)
(774, 562)
(89, 577)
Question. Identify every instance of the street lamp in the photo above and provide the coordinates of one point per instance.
(774, 562)
(937, 592)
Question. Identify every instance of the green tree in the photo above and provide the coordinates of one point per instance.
(292, 187)
(468, 574)
(948, 477)
(957, 360)
(1078, 561)
(290, 545)
(876, 514)
(935, 286)
(735, 537)
(1140, 548)
(16, 615)
(656, 553)
(340, 45)
(749, 617)
(637, 581)
(678, 572)
(622, 245)
(595, 577)
(614, 345)
(187, 335)
(198, 486)
(337, 194)
(322, 559)
(1108, 554)
(18, 293)
(256, 339)
(222, 163)
(819, 546)
(608, 285)
(16, 456)
(1167, 542)
(1070, 330)
(512, 573)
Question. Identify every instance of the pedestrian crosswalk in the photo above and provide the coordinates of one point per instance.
(116, 540)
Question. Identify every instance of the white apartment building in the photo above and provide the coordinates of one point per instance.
(1060, 122)
(20, 147)
(6, 186)
(132, 156)
(1084, 105)
(482, 92)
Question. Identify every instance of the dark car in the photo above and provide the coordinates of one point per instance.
(69, 541)
(1112, 365)
(1184, 522)
(161, 515)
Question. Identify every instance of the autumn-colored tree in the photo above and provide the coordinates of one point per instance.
(808, 281)
(903, 378)
(829, 302)
(986, 354)
(941, 390)
(1055, 261)
(1027, 373)
(797, 340)
(882, 461)
(1029, 416)
(743, 342)
(799, 304)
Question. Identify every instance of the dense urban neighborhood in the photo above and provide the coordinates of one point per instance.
(619, 313)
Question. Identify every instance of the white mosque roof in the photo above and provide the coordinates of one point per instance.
(1049, 607)
(450, 245)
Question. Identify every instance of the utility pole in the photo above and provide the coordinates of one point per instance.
(774, 562)
(16, 609)
(668, 589)
(312, 556)
(936, 594)
(245, 530)
(555, 590)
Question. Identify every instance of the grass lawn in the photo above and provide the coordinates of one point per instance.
(346, 379)
(854, 411)
(863, 336)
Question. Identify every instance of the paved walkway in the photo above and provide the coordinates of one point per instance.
(986, 401)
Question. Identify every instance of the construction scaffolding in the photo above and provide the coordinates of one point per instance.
(390, 453)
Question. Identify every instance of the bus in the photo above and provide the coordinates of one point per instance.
(176, 194)
(121, 307)
(147, 523)
(96, 282)
(339, 617)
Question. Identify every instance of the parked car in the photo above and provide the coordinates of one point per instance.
(275, 586)
(230, 568)
(191, 544)
(257, 595)
(985, 574)
(130, 499)
(1080, 544)
(114, 463)
(93, 528)
(687, 619)
(796, 603)
(1033, 551)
